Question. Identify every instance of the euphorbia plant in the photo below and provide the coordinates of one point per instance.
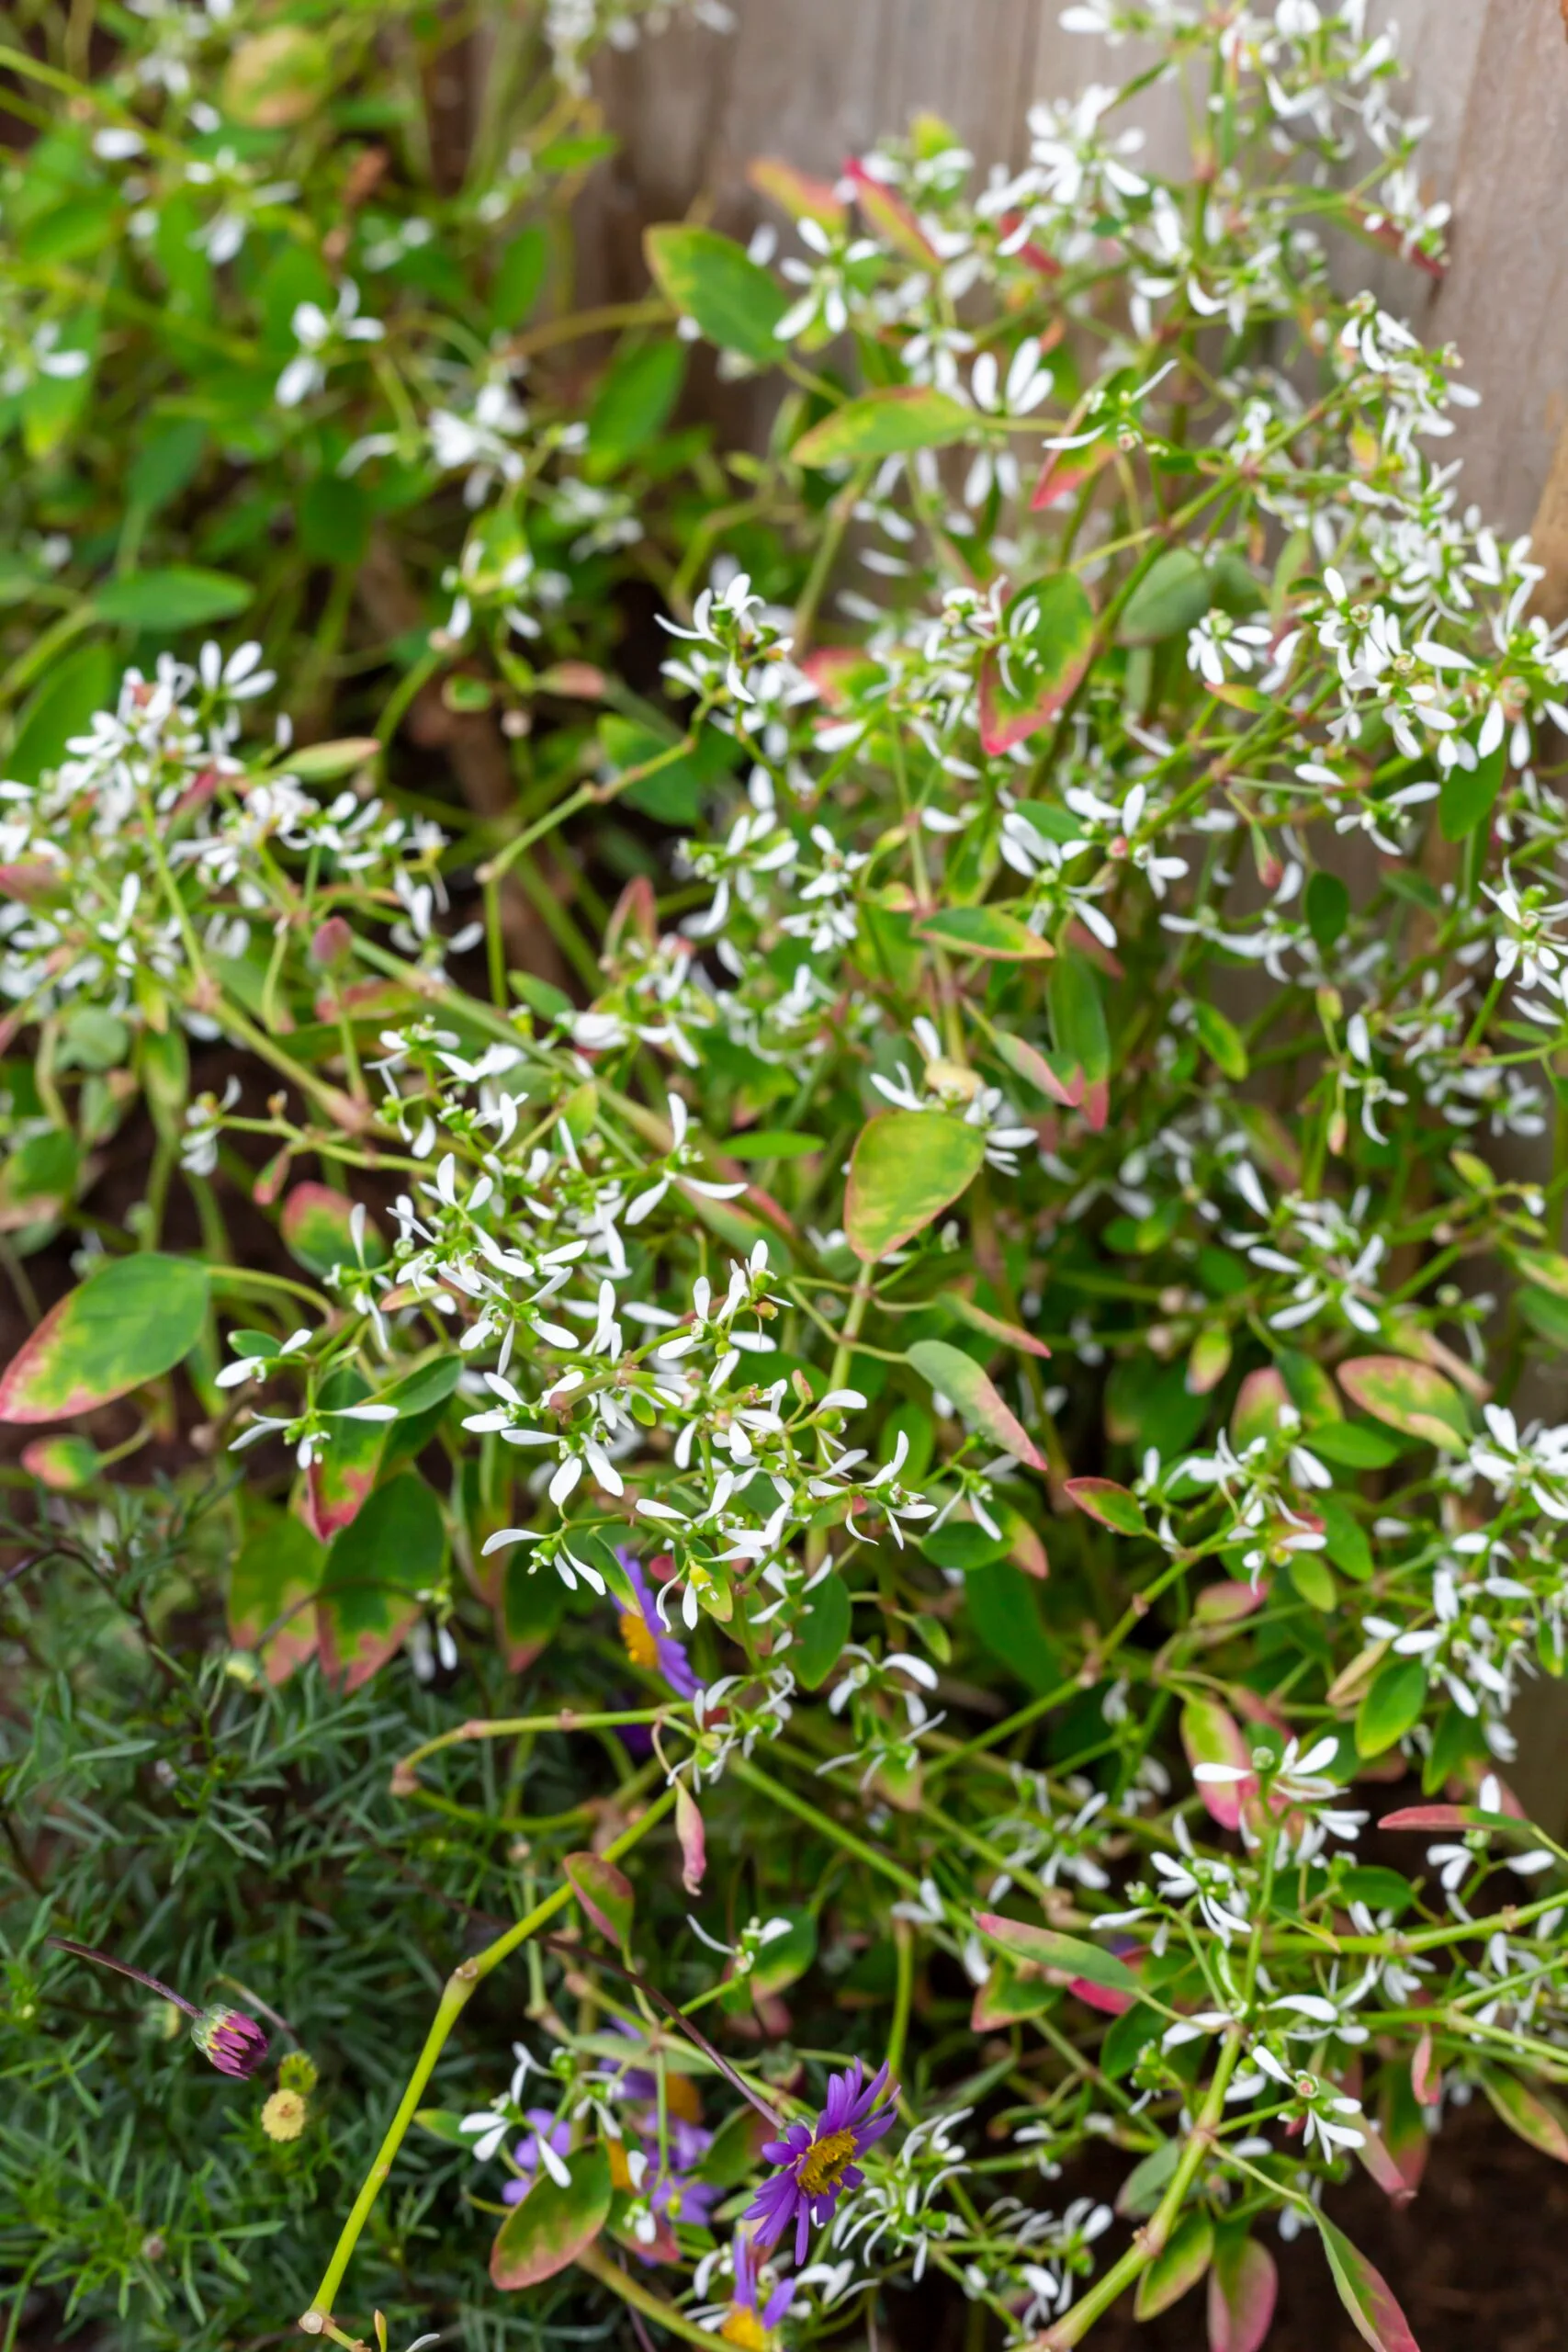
(955, 1339)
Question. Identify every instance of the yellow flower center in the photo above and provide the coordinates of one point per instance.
(641, 1647)
(743, 2328)
(825, 2162)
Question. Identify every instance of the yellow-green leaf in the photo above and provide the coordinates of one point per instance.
(885, 423)
(1409, 1396)
(553, 2225)
(907, 1167)
(137, 1319)
(735, 301)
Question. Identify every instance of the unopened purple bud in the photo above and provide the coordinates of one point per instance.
(233, 2042)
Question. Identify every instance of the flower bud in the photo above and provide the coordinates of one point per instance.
(233, 2042)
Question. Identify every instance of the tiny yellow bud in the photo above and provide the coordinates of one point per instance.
(283, 2116)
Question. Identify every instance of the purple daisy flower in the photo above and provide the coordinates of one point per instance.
(816, 2166)
(676, 2193)
(549, 2133)
(648, 1643)
(749, 2322)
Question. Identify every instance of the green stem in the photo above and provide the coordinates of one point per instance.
(458, 1991)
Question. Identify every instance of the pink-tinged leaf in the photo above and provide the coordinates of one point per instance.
(1096, 1104)
(604, 1893)
(888, 213)
(1105, 1997)
(1065, 471)
(1365, 2293)
(1404, 2127)
(836, 670)
(1115, 1507)
(127, 1324)
(1380, 2162)
(1064, 1085)
(1534, 2119)
(1029, 677)
(1025, 1550)
(1426, 2075)
(1011, 1335)
(1208, 1361)
(1210, 1735)
(339, 1483)
(271, 1586)
(1069, 1956)
(907, 1167)
(64, 1465)
(1409, 1396)
(988, 932)
(1259, 1401)
(1440, 1816)
(1243, 2287)
(1008, 1996)
(1177, 2268)
(376, 1574)
(1224, 1604)
(692, 1840)
(552, 2227)
(958, 1377)
(796, 192)
(317, 1225)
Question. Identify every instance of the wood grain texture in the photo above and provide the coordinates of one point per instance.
(814, 79)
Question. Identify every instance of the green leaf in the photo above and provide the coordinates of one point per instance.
(1351, 1445)
(1048, 1948)
(1312, 1580)
(980, 1318)
(38, 1178)
(276, 77)
(1347, 1539)
(1002, 1608)
(1113, 1506)
(886, 423)
(533, 1602)
(1365, 2294)
(374, 1574)
(1177, 2266)
(417, 1392)
(1466, 794)
(907, 1167)
(519, 277)
(988, 932)
(552, 2227)
(1078, 1015)
(1221, 1041)
(735, 302)
(1327, 907)
(1409, 1396)
(1394, 1699)
(444, 2123)
(276, 1576)
(183, 596)
(332, 517)
(633, 405)
(317, 1225)
(1146, 2183)
(1173, 594)
(962, 1544)
(63, 706)
(64, 1464)
(769, 1143)
(136, 1320)
(821, 1633)
(1526, 2112)
(786, 1959)
(1210, 1735)
(959, 1376)
(1026, 680)
(604, 1893)
(323, 763)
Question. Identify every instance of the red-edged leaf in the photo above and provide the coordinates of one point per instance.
(64, 1465)
(796, 192)
(338, 1484)
(1177, 2266)
(1210, 1735)
(1223, 1604)
(884, 423)
(960, 1377)
(1409, 1396)
(375, 1575)
(907, 1167)
(1065, 471)
(979, 1319)
(274, 1578)
(317, 1224)
(1243, 2286)
(1365, 2293)
(1009, 1995)
(604, 1893)
(127, 1325)
(1525, 2112)
(1113, 1506)
(1028, 677)
(1380, 2161)
(552, 2226)
(1441, 1817)
(890, 214)
(1426, 2075)
(1105, 1997)
(1070, 1956)
(1064, 1086)
(1259, 1401)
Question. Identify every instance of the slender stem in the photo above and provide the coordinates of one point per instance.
(457, 1991)
(599, 2266)
(123, 1968)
